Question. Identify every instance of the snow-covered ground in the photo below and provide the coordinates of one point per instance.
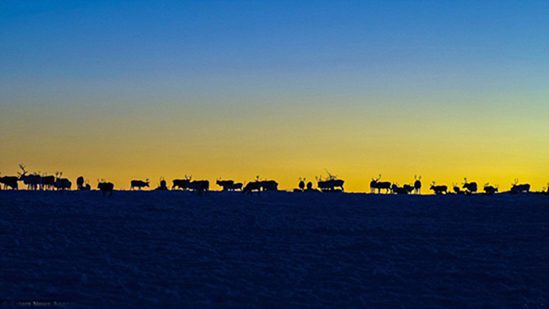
(277, 250)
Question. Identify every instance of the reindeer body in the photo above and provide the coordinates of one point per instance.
(48, 182)
(385, 185)
(236, 186)
(520, 188)
(408, 188)
(439, 189)
(226, 184)
(376, 184)
(180, 183)
(32, 181)
(401, 190)
(417, 185)
(10, 181)
(138, 184)
(106, 187)
(80, 183)
(470, 187)
(252, 186)
(330, 184)
(301, 184)
(63, 184)
(490, 190)
(200, 186)
(269, 185)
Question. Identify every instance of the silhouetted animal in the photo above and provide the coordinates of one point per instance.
(48, 182)
(225, 184)
(439, 189)
(32, 181)
(490, 190)
(139, 184)
(394, 188)
(80, 183)
(10, 181)
(471, 187)
(417, 185)
(62, 183)
(106, 187)
(200, 186)
(162, 186)
(516, 188)
(236, 186)
(457, 190)
(376, 184)
(330, 184)
(229, 185)
(301, 184)
(408, 188)
(252, 186)
(269, 185)
(401, 190)
(309, 186)
(180, 183)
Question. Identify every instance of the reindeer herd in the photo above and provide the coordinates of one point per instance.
(36, 181)
(467, 187)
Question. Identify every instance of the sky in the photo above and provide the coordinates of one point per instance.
(122, 90)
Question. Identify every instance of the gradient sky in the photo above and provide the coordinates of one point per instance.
(123, 90)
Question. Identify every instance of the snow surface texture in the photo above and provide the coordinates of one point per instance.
(278, 250)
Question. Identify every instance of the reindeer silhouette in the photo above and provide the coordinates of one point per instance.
(408, 188)
(439, 189)
(200, 186)
(330, 184)
(181, 183)
(252, 186)
(62, 183)
(516, 188)
(32, 181)
(457, 189)
(162, 186)
(490, 190)
(376, 184)
(470, 187)
(106, 187)
(417, 184)
(302, 184)
(139, 184)
(10, 181)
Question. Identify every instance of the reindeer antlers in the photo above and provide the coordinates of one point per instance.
(22, 167)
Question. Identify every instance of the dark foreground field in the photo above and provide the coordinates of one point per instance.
(278, 250)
